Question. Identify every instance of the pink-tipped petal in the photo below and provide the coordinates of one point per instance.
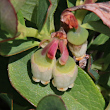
(53, 49)
(63, 49)
(45, 50)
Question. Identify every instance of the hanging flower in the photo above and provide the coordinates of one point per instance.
(42, 67)
(58, 41)
(64, 75)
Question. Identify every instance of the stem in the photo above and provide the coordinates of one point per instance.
(79, 2)
(80, 14)
(31, 32)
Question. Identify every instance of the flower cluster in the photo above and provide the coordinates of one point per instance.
(45, 66)
(63, 70)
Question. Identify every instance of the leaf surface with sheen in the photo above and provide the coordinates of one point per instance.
(84, 94)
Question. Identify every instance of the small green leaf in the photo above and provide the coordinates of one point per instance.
(102, 63)
(51, 102)
(101, 39)
(98, 27)
(16, 46)
(83, 96)
(33, 11)
(8, 17)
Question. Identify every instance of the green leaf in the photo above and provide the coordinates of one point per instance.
(100, 39)
(41, 12)
(33, 11)
(29, 10)
(102, 63)
(8, 18)
(5, 86)
(51, 102)
(83, 96)
(18, 4)
(98, 27)
(90, 17)
(70, 3)
(16, 46)
(49, 21)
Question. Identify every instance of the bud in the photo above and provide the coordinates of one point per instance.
(41, 67)
(65, 75)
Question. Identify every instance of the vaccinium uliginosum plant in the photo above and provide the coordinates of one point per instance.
(47, 63)
(75, 36)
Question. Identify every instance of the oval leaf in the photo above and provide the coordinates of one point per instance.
(100, 39)
(51, 102)
(83, 96)
(90, 17)
(97, 26)
(8, 17)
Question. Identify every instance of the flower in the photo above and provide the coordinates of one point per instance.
(58, 41)
(42, 67)
(64, 75)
